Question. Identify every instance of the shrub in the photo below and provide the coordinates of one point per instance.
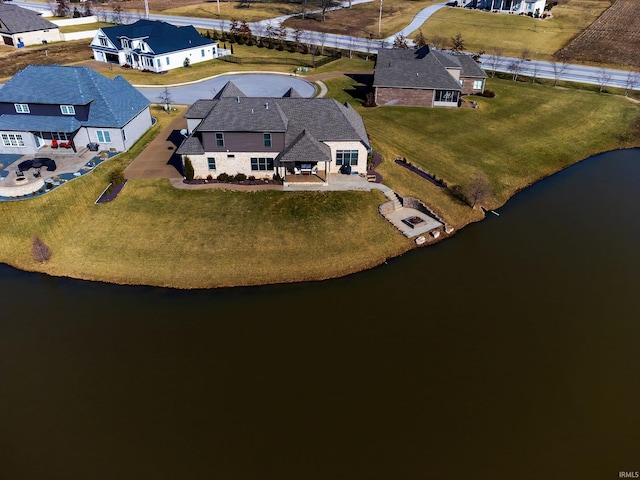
(223, 177)
(241, 177)
(116, 177)
(251, 178)
(488, 93)
(39, 250)
(209, 178)
(231, 179)
(188, 169)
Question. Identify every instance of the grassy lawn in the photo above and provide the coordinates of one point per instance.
(525, 133)
(217, 67)
(84, 27)
(362, 19)
(230, 10)
(514, 33)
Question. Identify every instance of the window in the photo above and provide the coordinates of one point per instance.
(212, 163)
(202, 52)
(103, 136)
(12, 140)
(446, 96)
(103, 41)
(125, 43)
(266, 138)
(159, 64)
(262, 164)
(67, 109)
(462, 83)
(347, 157)
(21, 107)
(167, 59)
(219, 140)
(477, 84)
(231, 155)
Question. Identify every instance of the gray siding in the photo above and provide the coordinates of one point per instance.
(136, 128)
(243, 142)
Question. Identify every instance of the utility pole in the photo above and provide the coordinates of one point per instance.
(380, 20)
(146, 9)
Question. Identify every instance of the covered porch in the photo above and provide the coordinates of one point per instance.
(303, 172)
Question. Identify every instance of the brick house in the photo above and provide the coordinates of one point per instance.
(425, 77)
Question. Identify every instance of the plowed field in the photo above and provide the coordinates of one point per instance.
(614, 38)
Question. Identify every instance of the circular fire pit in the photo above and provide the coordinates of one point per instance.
(21, 181)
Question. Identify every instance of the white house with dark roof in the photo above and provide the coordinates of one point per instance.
(425, 77)
(151, 45)
(262, 137)
(21, 27)
(520, 7)
(43, 103)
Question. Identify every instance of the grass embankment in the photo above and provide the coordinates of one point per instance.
(234, 10)
(525, 133)
(84, 27)
(515, 33)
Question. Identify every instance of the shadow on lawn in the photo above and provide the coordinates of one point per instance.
(175, 160)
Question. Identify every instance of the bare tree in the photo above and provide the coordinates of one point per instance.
(39, 250)
(303, 7)
(535, 68)
(352, 46)
(258, 30)
(439, 42)
(282, 33)
(116, 15)
(400, 41)
(166, 99)
(369, 45)
(494, 62)
(632, 81)
(420, 40)
(478, 55)
(457, 43)
(322, 36)
(297, 34)
(478, 191)
(558, 69)
(604, 77)
(62, 8)
(325, 5)
(515, 68)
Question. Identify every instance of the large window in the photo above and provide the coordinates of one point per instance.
(211, 162)
(266, 139)
(12, 140)
(262, 164)
(67, 109)
(446, 96)
(477, 84)
(21, 107)
(103, 136)
(347, 157)
(103, 41)
(219, 140)
(167, 59)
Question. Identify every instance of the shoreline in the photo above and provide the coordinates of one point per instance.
(339, 273)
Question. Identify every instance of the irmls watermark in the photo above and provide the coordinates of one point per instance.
(628, 474)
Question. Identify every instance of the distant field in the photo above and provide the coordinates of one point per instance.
(612, 38)
(514, 33)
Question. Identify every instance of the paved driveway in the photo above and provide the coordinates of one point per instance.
(159, 160)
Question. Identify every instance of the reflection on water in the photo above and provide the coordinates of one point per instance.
(508, 351)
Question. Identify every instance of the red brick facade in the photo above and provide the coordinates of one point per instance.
(409, 97)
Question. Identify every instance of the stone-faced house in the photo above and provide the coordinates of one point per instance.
(425, 77)
(152, 45)
(262, 137)
(43, 103)
(20, 27)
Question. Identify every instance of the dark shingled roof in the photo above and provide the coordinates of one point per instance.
(229, 90)
(292, 93)
(161, 37)
(14, 19)
(320, 119)
(307, 147)
(113, 102)
(425, 68)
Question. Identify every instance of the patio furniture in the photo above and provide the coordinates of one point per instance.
(296, 171)
(92, 146)
(54, 143)
(305, 169)
(66, 144)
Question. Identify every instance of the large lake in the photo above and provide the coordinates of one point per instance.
(511, 351)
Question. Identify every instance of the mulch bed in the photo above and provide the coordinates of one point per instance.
(244, 182)
(418, 171)
(108, 196)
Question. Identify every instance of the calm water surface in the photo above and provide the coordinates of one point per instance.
(509, 351)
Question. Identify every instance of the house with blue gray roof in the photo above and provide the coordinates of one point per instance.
(73, 105)
(292, 137)
(20, 27)
(153, 46)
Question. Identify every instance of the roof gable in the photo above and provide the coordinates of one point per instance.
(161, 37)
